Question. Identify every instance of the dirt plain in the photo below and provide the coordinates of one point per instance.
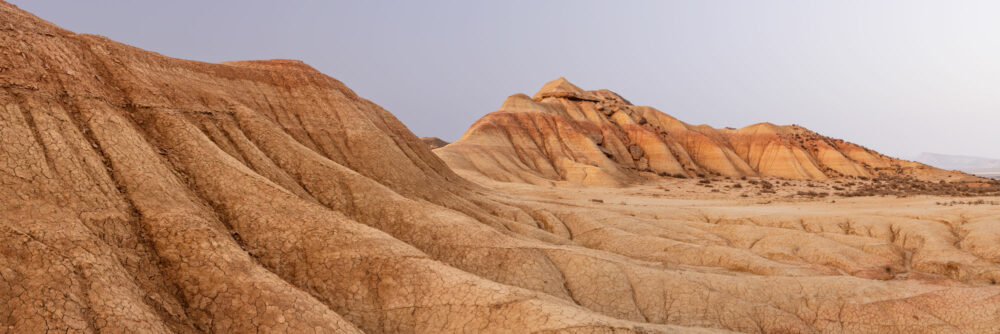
(902, 258)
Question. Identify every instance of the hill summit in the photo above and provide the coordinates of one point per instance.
(565, 133)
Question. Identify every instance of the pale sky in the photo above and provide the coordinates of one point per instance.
(900, 77)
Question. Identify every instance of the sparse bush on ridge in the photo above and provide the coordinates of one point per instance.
(908, 186)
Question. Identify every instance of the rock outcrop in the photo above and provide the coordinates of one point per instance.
(142, 193)
(565, 133)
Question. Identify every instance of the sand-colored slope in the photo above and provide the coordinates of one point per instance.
(637, 140)
(148, 194)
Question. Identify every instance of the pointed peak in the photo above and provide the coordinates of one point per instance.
(561, 82)
(564, 89)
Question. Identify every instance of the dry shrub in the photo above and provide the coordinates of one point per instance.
(907, 186)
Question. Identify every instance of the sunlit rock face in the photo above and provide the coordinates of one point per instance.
(565, 133)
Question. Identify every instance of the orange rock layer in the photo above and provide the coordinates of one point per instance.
(565, 133)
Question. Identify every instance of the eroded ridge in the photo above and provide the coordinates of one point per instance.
(565, 133)
(143, 193)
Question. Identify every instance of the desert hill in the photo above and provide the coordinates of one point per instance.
(149, 194)
(434, 142)
(142, 193)
(565, 133)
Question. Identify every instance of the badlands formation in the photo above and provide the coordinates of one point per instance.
(564, 133)
(142, 193)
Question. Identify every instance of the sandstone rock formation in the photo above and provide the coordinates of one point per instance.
(564, 133)
(142, 193)
(433, 142)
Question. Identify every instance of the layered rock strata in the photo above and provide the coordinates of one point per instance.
(565, 133)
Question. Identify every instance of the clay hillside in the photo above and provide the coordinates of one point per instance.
(564, 133)
(145, 194)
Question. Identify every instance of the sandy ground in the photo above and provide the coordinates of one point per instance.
(953, 238)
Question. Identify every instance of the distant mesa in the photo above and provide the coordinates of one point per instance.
(973, 165)
(433, 142)
(565, 133)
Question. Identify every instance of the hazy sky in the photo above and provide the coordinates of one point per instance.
(901, 77)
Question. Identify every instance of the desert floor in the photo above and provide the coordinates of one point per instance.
(940, 240)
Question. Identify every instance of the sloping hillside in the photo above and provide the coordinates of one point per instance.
(564, 133)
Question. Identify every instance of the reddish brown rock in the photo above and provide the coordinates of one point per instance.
(637, 139)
